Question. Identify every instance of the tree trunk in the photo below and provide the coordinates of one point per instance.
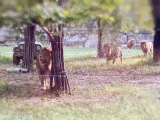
(29, 37)
(156, 16)
(99, 47)
(58, 70)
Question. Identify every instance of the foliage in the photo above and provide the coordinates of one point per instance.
(25, 12)
(97, 9)
(136, 15)
(116, 15)
(130, 17)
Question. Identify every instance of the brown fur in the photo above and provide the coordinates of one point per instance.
(43, 65)
(131, 43)
(111, 52)
(147, 47)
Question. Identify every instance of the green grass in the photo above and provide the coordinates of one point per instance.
(6, 51)
(4, 59)
(72, 53)
(134, 66)
(124, 102)
(18, 88)
(114, 99)
(128, 53)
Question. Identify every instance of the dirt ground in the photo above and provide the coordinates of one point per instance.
(79, 84)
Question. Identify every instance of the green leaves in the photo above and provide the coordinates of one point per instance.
(136, 14)
(47, 11)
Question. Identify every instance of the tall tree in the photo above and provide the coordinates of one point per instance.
(99, 11)
(29, 37)
(156, 15)
(57, 69)
(99, 46)
(45, 12)
(29, 13)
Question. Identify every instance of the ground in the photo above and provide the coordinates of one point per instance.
(85, 85)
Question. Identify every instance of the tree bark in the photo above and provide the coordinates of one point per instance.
(29, 37)
(156, 16)
(57, 69)
(99, 47)
(58, 73)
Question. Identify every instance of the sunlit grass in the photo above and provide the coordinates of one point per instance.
(4, 59)
(127, 53)
(141, 64)
(124, 102)
(6, 51)
(73, 53)
(113, 100)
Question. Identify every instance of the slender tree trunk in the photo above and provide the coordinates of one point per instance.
(29, 37)
(99, 47)
(61, 83)
(156, 16)
(58, 71)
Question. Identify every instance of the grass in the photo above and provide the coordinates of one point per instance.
(4, 59)
(94, 98)
(6, 53)
(128, 53)
(122, 103)
(17, 89)
(73, 53)
(135, 65)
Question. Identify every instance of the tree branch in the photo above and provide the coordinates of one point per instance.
(46, 30)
